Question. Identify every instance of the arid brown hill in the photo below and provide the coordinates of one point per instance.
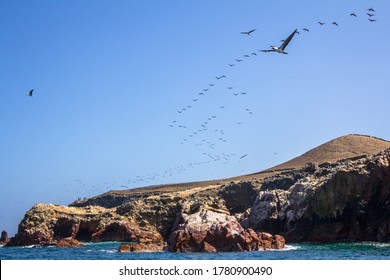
(349, 146)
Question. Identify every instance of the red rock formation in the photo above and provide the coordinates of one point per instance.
(4, 239)
(208, 231)
(69, 242)
(139, 247)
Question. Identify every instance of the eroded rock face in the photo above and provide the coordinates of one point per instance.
(348, 200)
(65, 226)
(4, 239)
(208, 231)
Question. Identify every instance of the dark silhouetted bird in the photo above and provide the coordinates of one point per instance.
(30, 93)
(305, 29)
(248, 32)
(372, 20)
(353, 15)
(283, 46)
(321, 23)
(335, 23)
(370, 15)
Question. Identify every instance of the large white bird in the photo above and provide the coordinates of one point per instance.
(283, 46)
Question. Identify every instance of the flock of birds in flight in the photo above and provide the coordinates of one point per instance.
(219, 134)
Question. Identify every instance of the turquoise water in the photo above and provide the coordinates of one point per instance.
(109, 251)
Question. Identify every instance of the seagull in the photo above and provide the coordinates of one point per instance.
(335, 23)
(305, 29)
(353, 14)
(370, 15)
(372, 20)
(371, 10)
(321, 23)
(30, 93)
(248, 32)
(283, 46)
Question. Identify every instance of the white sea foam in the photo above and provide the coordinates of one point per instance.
(291, 247)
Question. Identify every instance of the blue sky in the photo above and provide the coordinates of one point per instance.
(109, 78)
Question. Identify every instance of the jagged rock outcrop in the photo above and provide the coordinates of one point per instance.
(346, 200)
(69, 242)
(204, 228)
(208, 231)
(50, 224)
(4, 239)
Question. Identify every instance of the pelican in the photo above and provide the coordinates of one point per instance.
(231, 65)
(238, 60)
(353, 15)
(335, 23)
(371, 10)
(248, 32)
(372, 20)
(370, 15)
(283, 46)
(243, 156)
(211, 85)
(30, 93)
(321, 23)
(245, 55)
(305, 29)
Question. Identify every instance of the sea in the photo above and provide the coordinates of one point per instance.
(109, 251)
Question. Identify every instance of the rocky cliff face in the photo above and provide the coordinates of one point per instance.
(345, 200)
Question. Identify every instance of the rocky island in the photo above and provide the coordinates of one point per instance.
(339, 191)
